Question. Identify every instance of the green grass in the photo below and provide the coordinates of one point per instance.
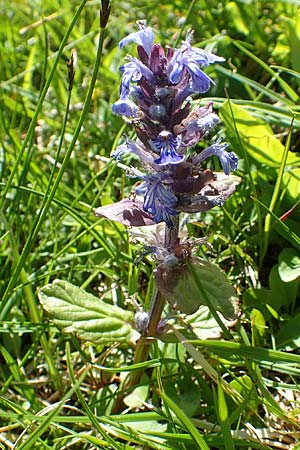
(238, 390)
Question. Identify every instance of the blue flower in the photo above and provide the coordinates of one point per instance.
(200, 82)
(121, 149)
(196, 128)
(125, 108)
(159, 201)
(132, 147)
(190, 58)
(228, 160)
(166, 144)
(144, 37)
(202, 56)
(134, 70)
(165, 214)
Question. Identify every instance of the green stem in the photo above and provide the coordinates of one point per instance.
(158, 302)
(141, 354)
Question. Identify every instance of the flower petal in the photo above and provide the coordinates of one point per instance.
(228, 160)
(144, 37)
(125, 107)
(190, 58)
(159, 200)
(167, 144)
(134, 70)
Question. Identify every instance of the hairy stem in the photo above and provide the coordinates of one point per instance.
(155, 313)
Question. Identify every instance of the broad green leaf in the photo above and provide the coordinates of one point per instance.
(288, 336)
(289, 264)
(283, 293)
(258, 325)
(75, 311)
(185, 393)
(291, 179)
(204, 325)
(256, 137)
(200, 282)
(139, 395)
(246, 388)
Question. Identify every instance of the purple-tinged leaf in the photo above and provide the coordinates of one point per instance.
(128, 212)
(178, 286)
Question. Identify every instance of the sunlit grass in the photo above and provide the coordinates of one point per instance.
(239, 390)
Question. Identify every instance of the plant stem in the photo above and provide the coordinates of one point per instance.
(155, 313)
(143, 346)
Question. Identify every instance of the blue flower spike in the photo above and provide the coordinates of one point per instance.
(155, 98)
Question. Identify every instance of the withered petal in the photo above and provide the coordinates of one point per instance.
(129, 212)
(213, 194)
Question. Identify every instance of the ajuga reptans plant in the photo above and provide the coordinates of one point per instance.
(155, 97)
(172, 182)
